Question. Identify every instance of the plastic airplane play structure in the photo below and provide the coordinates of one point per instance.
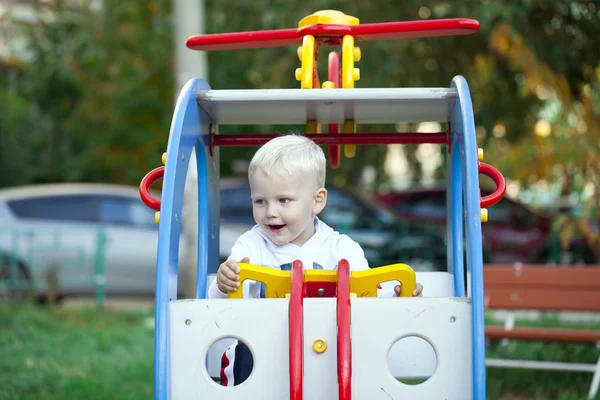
(321, 334)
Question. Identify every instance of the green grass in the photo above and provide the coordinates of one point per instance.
(75, 354)
(84, 353)
(521, 384)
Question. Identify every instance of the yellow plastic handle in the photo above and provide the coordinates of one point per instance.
(364, 283)
(278, 282)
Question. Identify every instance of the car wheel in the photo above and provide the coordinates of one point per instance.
(22, 289)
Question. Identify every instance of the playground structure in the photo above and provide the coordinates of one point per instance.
(324, 325)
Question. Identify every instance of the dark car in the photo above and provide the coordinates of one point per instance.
(384, 239)
(513, 233)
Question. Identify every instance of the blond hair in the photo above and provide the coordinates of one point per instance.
(289, 155)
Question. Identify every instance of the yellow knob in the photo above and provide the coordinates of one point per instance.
(164, 158)
(480, 154)
(484, 215)
(356, 74)
(328, 17)
(320, 345)
(356, 54)
(157, 217)
(300, 52)
(298, 74)
(327, 85)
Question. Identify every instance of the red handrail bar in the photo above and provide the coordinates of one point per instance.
(498, 179)
(296, 330)
(147, 181)
(344, 344)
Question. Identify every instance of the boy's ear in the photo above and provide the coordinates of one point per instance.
(320, 200)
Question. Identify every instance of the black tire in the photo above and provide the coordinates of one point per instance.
(25, 290)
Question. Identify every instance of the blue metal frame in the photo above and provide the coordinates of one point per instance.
(189, 124)
(464, 149)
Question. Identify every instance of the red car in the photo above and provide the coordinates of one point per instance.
(513, 233)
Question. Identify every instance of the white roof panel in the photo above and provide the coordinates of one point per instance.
(296, 106)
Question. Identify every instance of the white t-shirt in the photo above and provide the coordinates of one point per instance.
(322, 251)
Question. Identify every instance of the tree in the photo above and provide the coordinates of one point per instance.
(93, 100)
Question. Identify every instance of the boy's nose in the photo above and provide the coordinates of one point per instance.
(271, 210)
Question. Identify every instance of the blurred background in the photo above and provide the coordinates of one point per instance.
(87, 91)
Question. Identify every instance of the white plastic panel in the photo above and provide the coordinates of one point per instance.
(320, 369)
(261, 323)
(378, 323)
(296, 106)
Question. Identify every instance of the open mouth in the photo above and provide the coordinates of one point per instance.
(275, 228)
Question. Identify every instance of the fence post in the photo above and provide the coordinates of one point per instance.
(100, 270)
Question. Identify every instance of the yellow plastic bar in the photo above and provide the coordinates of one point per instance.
(278, 282)
(364, 283)
(348, 62)
(320, 275)
(308, 62)
(313, 127)
(349, 149)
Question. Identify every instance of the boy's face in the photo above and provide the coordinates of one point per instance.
(285, 206)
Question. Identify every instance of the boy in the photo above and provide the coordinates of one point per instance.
(287, 179)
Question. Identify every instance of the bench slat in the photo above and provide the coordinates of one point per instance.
(543, 334)
(542, 299)
(557, 277)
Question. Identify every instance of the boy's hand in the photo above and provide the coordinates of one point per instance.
(418, 292)
(228, 275)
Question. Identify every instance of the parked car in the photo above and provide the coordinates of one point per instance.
(82, 232)
(384, 239)
(513, 233)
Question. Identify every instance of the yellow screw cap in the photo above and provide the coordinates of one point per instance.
(300, 52)
(327, 85)
(480, 154)
(356, 74)
(320, 345)
(357, 54)
(484, 215)
(298, 74)
(157, 217)
(328, 17)
(164, 158)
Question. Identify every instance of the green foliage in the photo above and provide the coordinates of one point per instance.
(94, 100)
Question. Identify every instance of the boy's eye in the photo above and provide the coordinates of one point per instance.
(284, 200)
(259, 201)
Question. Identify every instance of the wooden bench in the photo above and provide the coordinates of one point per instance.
(542, 288)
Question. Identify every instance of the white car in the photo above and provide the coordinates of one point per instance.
(82, 234)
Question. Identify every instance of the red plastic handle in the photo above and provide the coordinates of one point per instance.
(296, 330)
(148, 180)
(344, 344)
(498, 179)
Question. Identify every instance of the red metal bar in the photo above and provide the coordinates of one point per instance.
(331, 139)
(344, 344)
(296, 330)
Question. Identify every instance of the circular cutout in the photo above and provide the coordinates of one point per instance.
(412, 360)
(229, 362)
